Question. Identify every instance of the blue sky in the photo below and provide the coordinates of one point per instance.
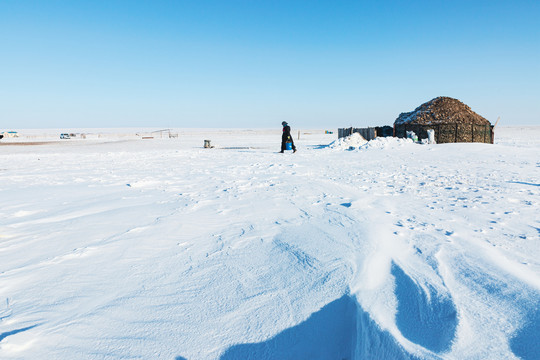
(253, 64)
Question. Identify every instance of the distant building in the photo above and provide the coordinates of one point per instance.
(10, 134)
(452, 120)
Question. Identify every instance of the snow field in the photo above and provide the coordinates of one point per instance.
(161, 249)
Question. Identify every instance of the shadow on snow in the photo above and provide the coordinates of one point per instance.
(526, 343)
(341, 330)
(328, 334)
(429, 320)
(13, 332)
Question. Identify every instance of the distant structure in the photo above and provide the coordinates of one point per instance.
(10, 134)
(452, 120)
(368, 133)
(165, 133)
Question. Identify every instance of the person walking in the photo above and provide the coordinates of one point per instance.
(286, 137)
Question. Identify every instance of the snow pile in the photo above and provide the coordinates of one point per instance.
(354, 140)
(386, 143)
(357, 142)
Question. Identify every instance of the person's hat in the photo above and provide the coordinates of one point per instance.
(284, 123)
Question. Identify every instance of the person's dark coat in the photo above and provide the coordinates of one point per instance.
(286, 137)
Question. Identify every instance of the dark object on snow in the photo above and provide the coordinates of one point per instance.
(207, 144)
(286, 138)
(1, 136)
(452, 120)
(384, 131)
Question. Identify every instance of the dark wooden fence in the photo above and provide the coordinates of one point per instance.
(444, 133)
(449, 133)
(367, 133)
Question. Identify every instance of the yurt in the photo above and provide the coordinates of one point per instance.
(452, 120)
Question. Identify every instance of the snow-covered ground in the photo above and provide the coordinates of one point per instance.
(122, 248)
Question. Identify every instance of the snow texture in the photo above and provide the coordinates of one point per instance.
(355, 141)
(115, 247)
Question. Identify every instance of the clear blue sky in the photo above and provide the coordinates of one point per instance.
(229, 63)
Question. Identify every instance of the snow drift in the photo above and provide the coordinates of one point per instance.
(165, 250)
(357, 142)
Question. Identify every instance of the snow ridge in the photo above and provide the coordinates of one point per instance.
(404, 252)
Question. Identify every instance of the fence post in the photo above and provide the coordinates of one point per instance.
(472, 132)
(455, 135)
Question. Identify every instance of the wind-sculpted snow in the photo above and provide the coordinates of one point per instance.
(165, 250)
(340, 330)
(374, 343)
(424, 316)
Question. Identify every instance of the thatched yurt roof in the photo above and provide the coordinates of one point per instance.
(441, 110)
